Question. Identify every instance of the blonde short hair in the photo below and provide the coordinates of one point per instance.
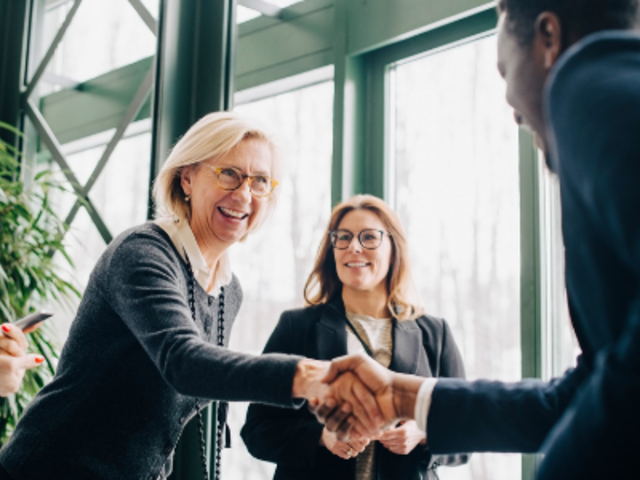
(324, 284)
(214, 135)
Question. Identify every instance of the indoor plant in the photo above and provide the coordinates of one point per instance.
(30, 233)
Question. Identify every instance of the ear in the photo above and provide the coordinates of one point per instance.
(186, 176)
(548, 39)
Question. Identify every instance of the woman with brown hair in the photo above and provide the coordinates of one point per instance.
(361, 300)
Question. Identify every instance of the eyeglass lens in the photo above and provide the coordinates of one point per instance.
(369, 238)
(230, 179)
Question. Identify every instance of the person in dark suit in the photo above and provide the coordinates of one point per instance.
(572, 69)
(361, 300)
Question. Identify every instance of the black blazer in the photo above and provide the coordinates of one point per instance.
(290, 438)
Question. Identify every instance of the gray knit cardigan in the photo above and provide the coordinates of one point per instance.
(132, 367)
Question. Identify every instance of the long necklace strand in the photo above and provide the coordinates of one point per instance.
(220, 342)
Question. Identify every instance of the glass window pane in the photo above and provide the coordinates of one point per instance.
(103, 36)
(560, 346)
(456, 190)
(273, 264)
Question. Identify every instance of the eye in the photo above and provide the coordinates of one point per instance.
(260, 179)
(228, 173)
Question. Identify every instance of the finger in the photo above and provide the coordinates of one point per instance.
(338, 417)
(28, 361)
(10, 347)
(343, 432)
(358, 446)
(356, 434)
(389, 436)
(370, 405)
(14, 333)
(326, 409)
(32, 328)
(340, 365)
(342, 388)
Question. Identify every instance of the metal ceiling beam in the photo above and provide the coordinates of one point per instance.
(145, 15)
(265, 8)
(52, 49)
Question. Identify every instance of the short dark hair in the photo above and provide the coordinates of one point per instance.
(579, 18)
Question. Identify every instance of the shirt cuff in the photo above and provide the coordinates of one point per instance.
(423, 403)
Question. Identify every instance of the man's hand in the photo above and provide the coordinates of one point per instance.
(360, 377)
(343, 450)
(402, 439)
(345, 396)
(13, 360)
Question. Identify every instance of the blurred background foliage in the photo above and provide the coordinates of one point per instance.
(30, 234)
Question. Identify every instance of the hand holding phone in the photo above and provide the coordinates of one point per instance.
(32, 319)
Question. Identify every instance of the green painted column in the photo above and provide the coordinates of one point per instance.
(13, 15)
(349, 106)
(195, 64)
(530, 274)
(195, 60)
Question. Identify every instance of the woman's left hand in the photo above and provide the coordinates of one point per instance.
(403, 438)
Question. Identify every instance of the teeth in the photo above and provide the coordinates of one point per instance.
(357, 264)
(232, 213)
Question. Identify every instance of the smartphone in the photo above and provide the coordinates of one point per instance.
(32, 319)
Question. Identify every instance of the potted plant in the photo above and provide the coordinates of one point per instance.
(30, 233)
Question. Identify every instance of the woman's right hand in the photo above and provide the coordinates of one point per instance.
(343, 450)
(13, 359)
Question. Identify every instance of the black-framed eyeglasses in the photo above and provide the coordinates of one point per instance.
(231, 178)
(369, 238)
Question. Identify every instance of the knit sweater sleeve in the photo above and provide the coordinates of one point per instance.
(147, 287)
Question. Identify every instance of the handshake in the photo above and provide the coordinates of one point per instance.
(354, 396)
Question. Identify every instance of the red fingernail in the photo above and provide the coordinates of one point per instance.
(6, 327)
(39, 359)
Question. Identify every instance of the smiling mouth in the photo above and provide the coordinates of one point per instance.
(357, 264)
(227, 212)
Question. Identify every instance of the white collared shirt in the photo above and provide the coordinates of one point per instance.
(185, 242)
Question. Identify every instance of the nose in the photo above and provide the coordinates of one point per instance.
(243, 191)
(355, 246)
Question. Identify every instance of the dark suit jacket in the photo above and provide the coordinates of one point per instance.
(588, 422)
(290, 437)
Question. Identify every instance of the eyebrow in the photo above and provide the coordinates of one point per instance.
(223, 165)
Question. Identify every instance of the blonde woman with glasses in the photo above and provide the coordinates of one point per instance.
(147, 349)
(361, 300)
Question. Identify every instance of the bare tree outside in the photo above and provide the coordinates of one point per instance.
(456, 160)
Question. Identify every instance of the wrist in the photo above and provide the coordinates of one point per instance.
(405, 394)
(306, 381)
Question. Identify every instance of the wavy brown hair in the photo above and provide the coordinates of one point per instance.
(324, 284)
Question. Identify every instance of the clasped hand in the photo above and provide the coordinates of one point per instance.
(356, 397)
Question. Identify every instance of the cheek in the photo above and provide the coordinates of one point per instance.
(258, 210)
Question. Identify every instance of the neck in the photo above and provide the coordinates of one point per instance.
(367, 302)
(210, 246)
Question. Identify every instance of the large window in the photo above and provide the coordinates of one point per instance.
(274, 263)
(560, 347)
(457, 191)
(86, 47)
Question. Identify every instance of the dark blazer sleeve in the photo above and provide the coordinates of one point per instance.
(283, 436)
(488, 416)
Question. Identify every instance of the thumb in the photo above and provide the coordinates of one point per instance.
(26, 362)
(340, 365)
